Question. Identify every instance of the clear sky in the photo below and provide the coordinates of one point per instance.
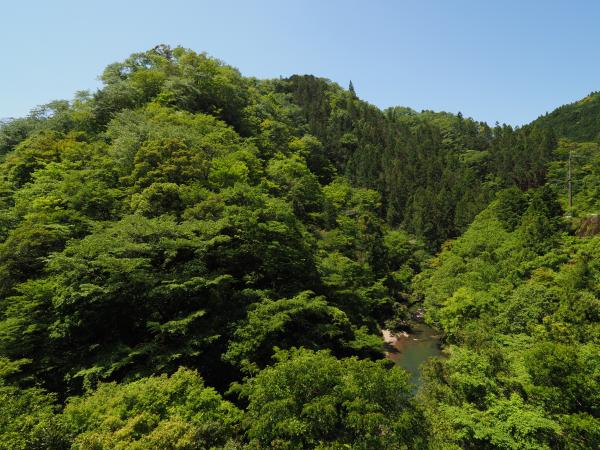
(506, 61)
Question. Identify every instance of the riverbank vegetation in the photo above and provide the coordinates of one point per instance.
(191, 259)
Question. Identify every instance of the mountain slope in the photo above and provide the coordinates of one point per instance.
(578, 121)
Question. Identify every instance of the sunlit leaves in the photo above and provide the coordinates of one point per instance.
(311, 399)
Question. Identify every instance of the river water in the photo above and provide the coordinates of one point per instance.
(410, 350)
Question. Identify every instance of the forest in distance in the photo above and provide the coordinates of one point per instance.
(194, 259)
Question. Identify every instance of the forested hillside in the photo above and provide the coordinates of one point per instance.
(190, 258)
(518, 299)
(579, 121)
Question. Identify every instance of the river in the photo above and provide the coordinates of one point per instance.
(410, 350)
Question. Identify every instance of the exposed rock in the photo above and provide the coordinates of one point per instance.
(391, 338)
(589, 226)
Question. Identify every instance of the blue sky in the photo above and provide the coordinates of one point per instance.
(506, 61)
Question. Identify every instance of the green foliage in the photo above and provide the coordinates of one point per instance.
(293, 180)
(178, 216)
(510, 206)
(313, 400)
(523, 370)
(585, 176)
(28, 420)
(176, 412)
(429, 167)
(304, 320)
(577, 121)
(520, 156)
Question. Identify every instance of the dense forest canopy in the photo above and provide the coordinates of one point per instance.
(190, 258)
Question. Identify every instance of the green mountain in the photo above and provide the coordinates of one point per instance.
(578, 121)
(190, 258)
